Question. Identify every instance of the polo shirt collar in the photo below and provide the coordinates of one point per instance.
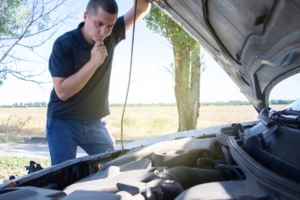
(81, 41)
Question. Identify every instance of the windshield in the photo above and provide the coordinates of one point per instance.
(294, 106)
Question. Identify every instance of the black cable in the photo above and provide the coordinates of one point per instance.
(129, 77)
(235, 170)
(230, 167)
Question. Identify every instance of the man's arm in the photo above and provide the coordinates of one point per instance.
(67, 87)
(143, 7)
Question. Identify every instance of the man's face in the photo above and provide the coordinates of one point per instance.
(99, 26)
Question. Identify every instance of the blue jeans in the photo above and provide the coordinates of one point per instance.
(64, 136)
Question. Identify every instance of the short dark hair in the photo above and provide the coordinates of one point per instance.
(109, 6)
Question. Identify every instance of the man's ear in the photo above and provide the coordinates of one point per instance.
(85, 16)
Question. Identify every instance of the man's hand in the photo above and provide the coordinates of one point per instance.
(98, 54)
(143, 6)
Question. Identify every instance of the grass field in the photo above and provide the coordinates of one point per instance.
(139, 123)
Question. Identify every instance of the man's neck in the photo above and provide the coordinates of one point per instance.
(86, 37)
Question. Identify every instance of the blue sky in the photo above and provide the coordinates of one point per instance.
(149, 84)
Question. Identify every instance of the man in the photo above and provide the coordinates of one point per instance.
(80, 66)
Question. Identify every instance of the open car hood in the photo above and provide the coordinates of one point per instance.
(257, 42)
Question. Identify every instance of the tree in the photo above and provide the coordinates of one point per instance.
(44, 104)
(186, 69)
(30, 104)
(26, 25)
(36, 104)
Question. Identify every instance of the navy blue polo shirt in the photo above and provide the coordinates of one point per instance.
(70, 53)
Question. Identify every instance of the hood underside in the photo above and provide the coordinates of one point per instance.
(257, 42)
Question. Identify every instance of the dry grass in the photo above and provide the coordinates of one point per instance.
(23, 121)
(140, 122)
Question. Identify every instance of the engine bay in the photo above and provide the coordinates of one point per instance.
(172, 168)
(254, 161)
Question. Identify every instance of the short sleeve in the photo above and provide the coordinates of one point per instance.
(61, 63)
(119, 30)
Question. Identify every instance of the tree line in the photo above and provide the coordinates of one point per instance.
(30, 104)
(229, 103)
(280, 102)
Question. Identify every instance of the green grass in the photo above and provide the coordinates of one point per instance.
(12, 165)
(9, 138)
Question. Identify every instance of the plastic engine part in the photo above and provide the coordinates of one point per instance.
(171, 158)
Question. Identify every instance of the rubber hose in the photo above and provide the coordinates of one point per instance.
(227, 155)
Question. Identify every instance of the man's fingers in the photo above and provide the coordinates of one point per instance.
(99, 43)
(101, 47)
(104, 51)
